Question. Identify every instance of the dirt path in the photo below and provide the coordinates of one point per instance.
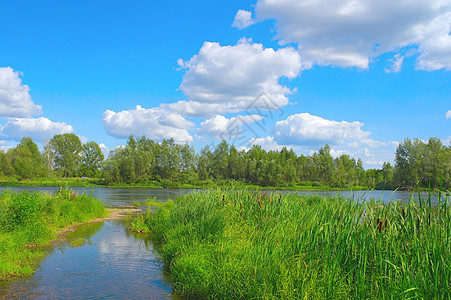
(113, 214)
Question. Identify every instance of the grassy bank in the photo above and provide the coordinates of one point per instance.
(29, 221)
(159, 184)
(243, 245)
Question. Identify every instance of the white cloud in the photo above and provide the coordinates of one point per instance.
(448, 114)
(396, 64)
(39, 129)
(305, 128)
(15, 101)
(220, 127)
(221, 79)
(243, 19)
(350, 33)
(267, 143)
(155, 123)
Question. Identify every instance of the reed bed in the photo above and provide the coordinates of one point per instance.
(257, 245)
(29, 221)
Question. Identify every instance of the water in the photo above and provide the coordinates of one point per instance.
(112, 263)
(121, 196)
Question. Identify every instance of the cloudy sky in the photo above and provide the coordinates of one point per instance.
(359, 75)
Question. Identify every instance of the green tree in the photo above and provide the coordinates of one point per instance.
(67, 152)
(91, 161)
(27, 160)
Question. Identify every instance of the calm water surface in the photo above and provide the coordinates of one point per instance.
(111, 263)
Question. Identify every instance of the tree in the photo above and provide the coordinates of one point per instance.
(27, 160)
(92, 158)
(67, 152)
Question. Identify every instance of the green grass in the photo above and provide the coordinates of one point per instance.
(29, 221)
(248, 245)
(165, 183)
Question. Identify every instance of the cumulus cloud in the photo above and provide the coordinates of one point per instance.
(39, 129)
(220, 127)
(305, 128)
(15, 101)
(221, 79)
(350, 33)
(243, 19)
(155, 123)
(448, 114)
(267, 143)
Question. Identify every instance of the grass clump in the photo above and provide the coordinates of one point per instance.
(242, 245)
(29, 221)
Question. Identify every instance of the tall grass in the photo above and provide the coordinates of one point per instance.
(225, 245)
(29, 221)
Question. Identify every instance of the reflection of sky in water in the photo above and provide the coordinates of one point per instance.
(119, 196)
(111, 264)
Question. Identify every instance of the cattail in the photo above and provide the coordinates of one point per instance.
(379, 225)
(403, 213)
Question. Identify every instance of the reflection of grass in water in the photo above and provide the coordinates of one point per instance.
(226, 245)
(82, 234)
(29, 221)
(77, 242)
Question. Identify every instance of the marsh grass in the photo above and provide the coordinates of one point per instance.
(29, 221)
(243, 244)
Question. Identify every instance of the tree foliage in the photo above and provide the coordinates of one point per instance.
(142, 160)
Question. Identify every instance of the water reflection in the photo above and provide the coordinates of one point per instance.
(111, 264)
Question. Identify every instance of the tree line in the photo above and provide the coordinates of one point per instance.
(143, 160)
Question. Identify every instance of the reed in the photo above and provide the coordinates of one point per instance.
(243, 244)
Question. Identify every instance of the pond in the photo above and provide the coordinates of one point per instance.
(111, 262)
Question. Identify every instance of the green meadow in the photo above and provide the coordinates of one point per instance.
(254, 245)
(30, 221)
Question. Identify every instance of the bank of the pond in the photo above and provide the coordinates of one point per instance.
(165, 184)
(244, 245)
(30, 221)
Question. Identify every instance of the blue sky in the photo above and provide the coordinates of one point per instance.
(357, 75)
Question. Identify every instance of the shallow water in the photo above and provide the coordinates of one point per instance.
(111, 264)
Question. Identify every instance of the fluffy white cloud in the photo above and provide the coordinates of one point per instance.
(243, 19)
(448, 114)
(221, 79)
(220, 127)
(155, 123)
(349, 33)
(267, 143)
(305, 128)
(15, 101)
(39, 129)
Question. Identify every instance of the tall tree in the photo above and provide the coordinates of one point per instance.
(91, 161)
(67, 151)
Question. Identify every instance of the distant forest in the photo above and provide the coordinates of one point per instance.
(143, 160)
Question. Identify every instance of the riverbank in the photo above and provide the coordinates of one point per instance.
(29, 222)
(163, 184)
(260, 245)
